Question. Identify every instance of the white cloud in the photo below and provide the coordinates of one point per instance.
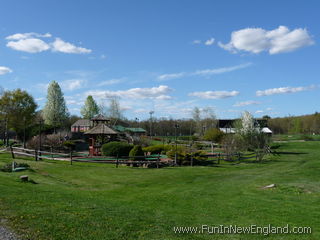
(30, 45)
(209, 42)
(111, 82)
(279, 40)
(214, 94)
(221, 70)
(19, 36)
(246, 103)
(282, 90)
(205, 72)
(39, 99)
(73, 84)
(159, 93)
(4, 70)
(259, 111)
(170, 76)
(61, 46)
(196, 42)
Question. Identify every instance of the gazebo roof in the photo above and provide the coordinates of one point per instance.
(100, 117)
(101, 129)
(81, 123)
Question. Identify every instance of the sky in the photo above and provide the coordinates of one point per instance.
(166, 56)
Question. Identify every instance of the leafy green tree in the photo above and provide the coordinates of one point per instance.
(17, 107)
(213, 135)
(55, 110)
(90, 108)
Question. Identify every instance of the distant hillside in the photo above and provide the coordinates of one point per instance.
(306, 124)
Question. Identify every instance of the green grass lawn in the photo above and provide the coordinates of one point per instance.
(98, 201)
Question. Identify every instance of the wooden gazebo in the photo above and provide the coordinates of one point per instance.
(99, 134)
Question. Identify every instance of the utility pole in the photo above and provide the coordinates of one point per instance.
(138, 123)
(7, 135)
(176, 126)
(40, 141)
(150, 132)
(24, 132)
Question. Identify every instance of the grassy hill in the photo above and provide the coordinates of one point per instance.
(97, 201)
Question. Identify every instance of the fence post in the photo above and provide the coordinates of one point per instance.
(36, 154)
(219, 158)
(51, 153)
(12, 153)
(158, 158)
(70, 157)
(191, 160)
(117, 162)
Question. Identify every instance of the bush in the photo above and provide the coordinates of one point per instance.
(136, 154)
(213, 135)
(33, 143)
(69, 145)
(181, 153)
(157, 149)
(136, 151)
(116, 149)
(53, 140)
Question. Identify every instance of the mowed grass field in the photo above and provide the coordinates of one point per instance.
(98, 201)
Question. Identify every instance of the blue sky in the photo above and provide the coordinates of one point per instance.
(166, 56)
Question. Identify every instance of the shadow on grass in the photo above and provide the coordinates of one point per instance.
(288, 153)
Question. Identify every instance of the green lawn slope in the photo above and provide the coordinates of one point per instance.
(98, 201)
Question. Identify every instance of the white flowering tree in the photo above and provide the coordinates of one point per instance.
(253, 137)
(247, 123)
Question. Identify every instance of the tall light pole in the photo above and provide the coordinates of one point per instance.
(7, 134)
(176, 126)
(40, 140)
(24, 132)
(150, 132)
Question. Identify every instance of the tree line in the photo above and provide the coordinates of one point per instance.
(20, 113)
(306, 124)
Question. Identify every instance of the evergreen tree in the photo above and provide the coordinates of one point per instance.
(55, 110)
(90, 108)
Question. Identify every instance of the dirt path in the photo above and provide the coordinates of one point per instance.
(6, 234)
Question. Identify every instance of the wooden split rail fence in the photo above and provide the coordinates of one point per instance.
(147, 161)
(73, 157)
(38, 155)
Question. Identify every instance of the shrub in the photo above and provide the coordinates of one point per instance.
(213, 135)
(181, 153)
(157, 149)
(116, 149)
(53, 140)
(33, 143)
(142, 140)
(136, 151)
(233, 144)
(136, 154)
(69, 145)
